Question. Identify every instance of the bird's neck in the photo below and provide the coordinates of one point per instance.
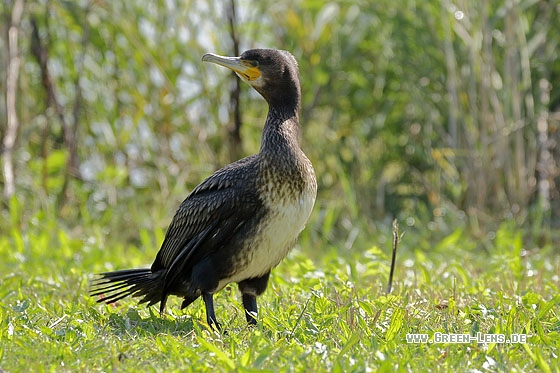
(281, 131)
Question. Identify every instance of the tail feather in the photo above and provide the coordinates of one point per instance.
(102, 287)
(113, 286)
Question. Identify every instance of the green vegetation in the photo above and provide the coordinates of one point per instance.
(441, 114)
(325, 315)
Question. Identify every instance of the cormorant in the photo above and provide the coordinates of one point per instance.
(241, 221)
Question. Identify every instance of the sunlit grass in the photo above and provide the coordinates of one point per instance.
(325, 314)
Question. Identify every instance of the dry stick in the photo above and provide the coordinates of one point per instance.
(393, 260)
(394, 256)
(73, 164)
(12, 73)
(234, 130)
(40, 50)
(299, 318)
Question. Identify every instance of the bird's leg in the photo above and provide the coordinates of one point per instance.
(250, 289)
(250, 305)
(210, 314)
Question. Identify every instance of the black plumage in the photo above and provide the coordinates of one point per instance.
(241, 221)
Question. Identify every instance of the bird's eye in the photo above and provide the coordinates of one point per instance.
(255, 63)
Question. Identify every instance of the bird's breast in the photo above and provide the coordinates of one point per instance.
(287, 211)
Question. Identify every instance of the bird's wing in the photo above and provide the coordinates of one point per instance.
(205, 217)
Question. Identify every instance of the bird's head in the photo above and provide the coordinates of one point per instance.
(271, 72)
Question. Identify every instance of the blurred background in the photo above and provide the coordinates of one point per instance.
(441, 114)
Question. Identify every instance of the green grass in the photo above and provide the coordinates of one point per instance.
(326, 314)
